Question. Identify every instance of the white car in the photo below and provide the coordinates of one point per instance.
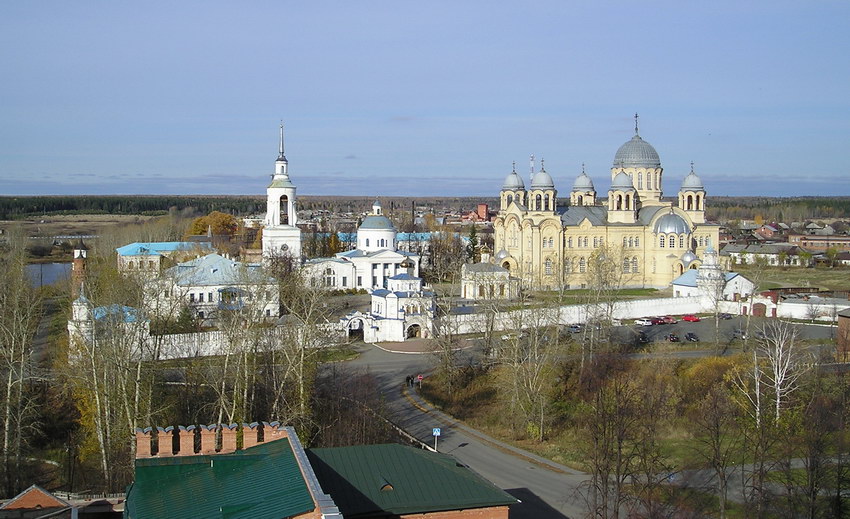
(643, 322)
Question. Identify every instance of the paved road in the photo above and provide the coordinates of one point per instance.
(544, 491)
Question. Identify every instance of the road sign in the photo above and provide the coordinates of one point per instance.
(419, 377)
(436, 431)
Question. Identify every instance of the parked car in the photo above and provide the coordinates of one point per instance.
(642, 338)
(673, 337)
(574, 328)
(739, 334)
(657, 320)
(691, 337)
(669, 319)
(691, 318)
(643, 321)
(725, 316)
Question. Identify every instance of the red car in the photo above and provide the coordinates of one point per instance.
(657, 320)
(669, 319)
(691, 318)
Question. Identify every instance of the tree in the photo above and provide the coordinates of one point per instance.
(20, 312)
(221, 224)
(831, 254)
(472, 253)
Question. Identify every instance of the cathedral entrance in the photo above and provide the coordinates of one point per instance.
(355, 330)
(413, 332)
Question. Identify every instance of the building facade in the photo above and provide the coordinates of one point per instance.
(651, 240)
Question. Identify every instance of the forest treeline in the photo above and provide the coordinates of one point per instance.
(721, 209)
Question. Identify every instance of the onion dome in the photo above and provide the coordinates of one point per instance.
(637, 153)
(672, 223)
(542, 180)
(502, 254)
(583, 182)
(688, 258)
(513, 181)
(622, 182)
(692, 182)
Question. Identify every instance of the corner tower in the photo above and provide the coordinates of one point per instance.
(692, 197)
(280, 234)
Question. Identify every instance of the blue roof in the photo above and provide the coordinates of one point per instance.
(214, 269)
(127, 314)
(157, 248)
(689, 278)
(404, 276)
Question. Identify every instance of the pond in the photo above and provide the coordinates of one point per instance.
(41, 274)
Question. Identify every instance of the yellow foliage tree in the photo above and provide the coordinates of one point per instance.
(220, 223)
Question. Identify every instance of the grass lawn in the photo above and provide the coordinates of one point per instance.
(825, 278)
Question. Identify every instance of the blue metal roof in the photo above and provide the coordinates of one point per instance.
(157, 248)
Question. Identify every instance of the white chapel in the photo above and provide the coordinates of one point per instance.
(280, 234)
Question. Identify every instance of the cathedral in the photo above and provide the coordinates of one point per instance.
(651, 240)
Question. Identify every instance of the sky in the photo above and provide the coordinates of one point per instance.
(416, 98)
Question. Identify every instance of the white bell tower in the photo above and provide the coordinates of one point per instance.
(280, 234)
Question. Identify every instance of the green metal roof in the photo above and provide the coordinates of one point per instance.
(370, 480)
(263, 482)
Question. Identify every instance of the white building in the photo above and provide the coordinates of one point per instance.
(280, 234)
(150, 257)
(375, 260)
(403, 310)
(213, 283)
(484, 281)
(709, 279)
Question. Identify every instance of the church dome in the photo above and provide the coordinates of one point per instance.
(688, 258)
(502, 254)
(622, 182)
(583, 183)
(637, 153)
(542, 180)
(512, 182)
(692, 182)
(376, 222)
(672, 223)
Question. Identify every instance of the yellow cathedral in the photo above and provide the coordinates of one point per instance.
(651, 241)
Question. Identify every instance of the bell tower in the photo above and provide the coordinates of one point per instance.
(280, 234)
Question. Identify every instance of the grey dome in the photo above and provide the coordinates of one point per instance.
(377, 222)
(637, 153)
(672, 223)
(622, 182)
(542, 180)
(692, 183)
(502, 254)
(513, 181)
(583, 183)
(688, 258)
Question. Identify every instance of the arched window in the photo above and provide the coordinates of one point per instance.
(595, 242)
(626, 265)
(635, 264)
(367, 242)
(568, 265)
(546, 202)
(625, 242)
(690, 203)
(637, 241)
(699, 203)
(631, 241)
(640, 180)
(548, 267)
(582, 265)
(284, 210)
(628, 202)
(538, 202)
(681, 241)
(649, 181)
(619, 202)
(570, 242)
(510, 199)
(580, 200)
(672, 241)
(585, 241)
(661, 241)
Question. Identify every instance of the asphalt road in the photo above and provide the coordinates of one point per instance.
(544, 492)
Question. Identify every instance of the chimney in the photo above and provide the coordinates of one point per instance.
(187, 440)
(166, 441)
(143, 442)
(208, 437)
(228, 438)
(250, 432)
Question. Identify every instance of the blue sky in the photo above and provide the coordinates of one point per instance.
(419, 98)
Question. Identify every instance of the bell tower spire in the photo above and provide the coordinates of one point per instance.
(280, 155)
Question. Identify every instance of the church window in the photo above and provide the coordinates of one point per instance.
(631, 241)
(330, 277)
(635, 264)
(662, 240)
(681, 241)
(690, 203)
(546, 202)
(130, 265)
(568, 265)
(570, 242)
(585, 241)
(672, 241)
(510, 199)
(649, 181)
(626, 265)
(192, 297)
(640, 180)
(551, 243)
(367, 242)
(150, 264)
(619, 202)
(580, 200)
(359, 281)
(374, 281)
(595, 242)
(582, 265)
(284, 210)
(637, 241)
(708, 241)
(548, 267)
(200, 315)
(480, 290)
(201, 297)
(625, 242)
(502, 289)
(628, 201)
(538, 203)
